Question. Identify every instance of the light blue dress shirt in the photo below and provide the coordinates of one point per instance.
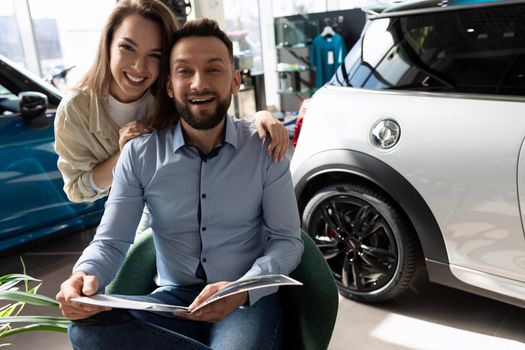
(249, 222)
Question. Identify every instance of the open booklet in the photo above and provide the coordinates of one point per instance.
(238, 286)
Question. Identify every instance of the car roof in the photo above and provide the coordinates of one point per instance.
(411, 7)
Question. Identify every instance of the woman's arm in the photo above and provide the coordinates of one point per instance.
(266, 123)
(76, 159)
(103, 172)
(87, 176)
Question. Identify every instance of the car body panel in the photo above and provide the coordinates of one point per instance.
(447, 153)
(33, 204)
(323, 166)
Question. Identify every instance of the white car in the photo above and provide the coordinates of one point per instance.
(414, 155)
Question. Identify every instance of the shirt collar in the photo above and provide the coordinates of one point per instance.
(230, 135)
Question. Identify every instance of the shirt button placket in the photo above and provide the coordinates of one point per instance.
(204, 208)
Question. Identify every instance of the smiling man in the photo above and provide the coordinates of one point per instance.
(220, 208)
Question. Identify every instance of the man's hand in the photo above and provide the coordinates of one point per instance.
(266, 123)
(218, 310)
(79, 284)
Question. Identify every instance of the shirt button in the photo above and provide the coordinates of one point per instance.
(204, 195)
(204, 229)
(204, 260)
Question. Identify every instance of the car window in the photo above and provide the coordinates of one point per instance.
(479, 50)
(4, 92)
(8, 102)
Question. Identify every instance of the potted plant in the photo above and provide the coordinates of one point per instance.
(16, 289)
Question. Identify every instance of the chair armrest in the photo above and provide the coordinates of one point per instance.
(136, 275)
(310, 310)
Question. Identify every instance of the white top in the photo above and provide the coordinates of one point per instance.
(122, 113)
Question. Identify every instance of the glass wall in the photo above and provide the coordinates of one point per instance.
(52, 36)
(297, 7)
(242, 25)
(67, 35)
(10, 42)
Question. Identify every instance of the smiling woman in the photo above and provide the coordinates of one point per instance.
(110, 103)
(135, 58)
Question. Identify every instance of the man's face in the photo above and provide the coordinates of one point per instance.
(202, 81)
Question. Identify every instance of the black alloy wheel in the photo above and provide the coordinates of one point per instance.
(369, 245)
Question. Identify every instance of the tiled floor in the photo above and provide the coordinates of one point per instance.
(426, 317)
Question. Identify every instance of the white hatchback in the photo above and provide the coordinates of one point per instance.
(414, 155)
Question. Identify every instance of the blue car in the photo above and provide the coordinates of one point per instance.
(33, 204)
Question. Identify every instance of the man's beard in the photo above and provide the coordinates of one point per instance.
(205, 120)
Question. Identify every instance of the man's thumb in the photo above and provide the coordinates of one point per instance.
(90, 286)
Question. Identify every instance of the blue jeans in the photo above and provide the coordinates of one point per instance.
(259, 326)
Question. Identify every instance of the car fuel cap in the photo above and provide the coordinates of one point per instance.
(385, 133)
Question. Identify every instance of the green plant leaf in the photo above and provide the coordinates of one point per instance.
(4, 327)
(24, 271)
(23, 297)
(36, 319)
(9, 281)
(17, 276)
(9, 309)
(34, 289)
(9, 285)
(5, 307)
(62, 328)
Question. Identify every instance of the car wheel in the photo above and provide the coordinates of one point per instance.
(370, 246)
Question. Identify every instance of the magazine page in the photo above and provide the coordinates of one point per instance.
(238, 286)
(121, 302)
(250, 283)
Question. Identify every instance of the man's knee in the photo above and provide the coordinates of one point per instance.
(97, 332)
(257, 327)
(82, 336)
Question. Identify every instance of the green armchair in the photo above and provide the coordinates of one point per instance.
(310, 311)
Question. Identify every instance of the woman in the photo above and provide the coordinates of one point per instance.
(112, 102)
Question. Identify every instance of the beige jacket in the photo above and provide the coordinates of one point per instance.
(84, 137)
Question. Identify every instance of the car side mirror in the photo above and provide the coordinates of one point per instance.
(32, 104)
(33, 107)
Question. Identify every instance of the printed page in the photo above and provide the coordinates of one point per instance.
(122, 303)
(250, 283)
(241, 285)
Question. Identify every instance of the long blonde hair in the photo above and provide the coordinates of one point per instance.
(98, 78)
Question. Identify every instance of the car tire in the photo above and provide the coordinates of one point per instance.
(368, 242)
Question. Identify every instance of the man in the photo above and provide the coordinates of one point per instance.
(221, 210)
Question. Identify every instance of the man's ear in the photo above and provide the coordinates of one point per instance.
(236, 82)
(169, 88)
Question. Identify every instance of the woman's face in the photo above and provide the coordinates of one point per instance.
(134, 57)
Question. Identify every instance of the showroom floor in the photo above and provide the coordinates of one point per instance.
(426, 317)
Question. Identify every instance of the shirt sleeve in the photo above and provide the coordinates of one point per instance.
(116, 232)
(75, 159)
(284, 246)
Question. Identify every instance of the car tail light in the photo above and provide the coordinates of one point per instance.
(299, 122)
